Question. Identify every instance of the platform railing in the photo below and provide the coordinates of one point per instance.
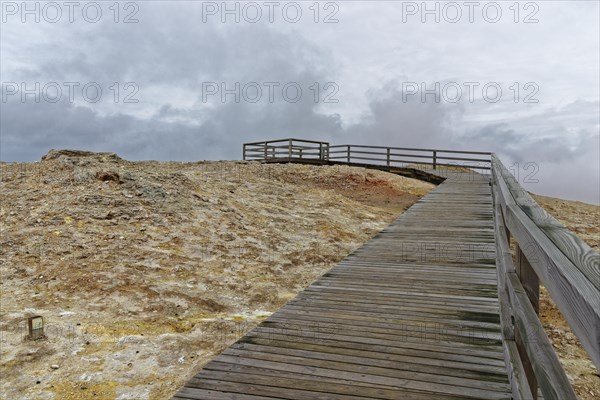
(545, 251)
(300, 149)
(403, 156)
(286, 149)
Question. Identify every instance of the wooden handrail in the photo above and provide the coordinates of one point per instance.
(486, 153)
(284, 140)
(567, 266)
(551, 253)
(357, 154)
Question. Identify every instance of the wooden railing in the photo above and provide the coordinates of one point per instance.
(286, 149)
(569, 269)
(402, 156)
(299, 149)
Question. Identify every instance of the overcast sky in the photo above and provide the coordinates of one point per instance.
(522, 81)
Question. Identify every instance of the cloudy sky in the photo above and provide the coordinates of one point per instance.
(191, 80)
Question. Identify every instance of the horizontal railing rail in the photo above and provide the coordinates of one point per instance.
(286, 149)
(299, 149)
(569, 269)
(390, 156)
(487, 153)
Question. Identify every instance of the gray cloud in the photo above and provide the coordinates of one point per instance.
(522, 148)
(170, 53)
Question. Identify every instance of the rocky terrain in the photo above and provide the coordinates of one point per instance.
(143, 271)
(584, 220)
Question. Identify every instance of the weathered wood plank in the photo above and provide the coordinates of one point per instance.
(189, 393)
(403, 363)
(397, 348)
(464, 367)
(548, 371)
(531, 285)
(516, 369)
(267, 391)
(360, 373)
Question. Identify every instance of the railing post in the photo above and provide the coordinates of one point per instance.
(531, 284)
(434, 159)
(320, 150)
(348, 154)
(244, 153)
(290, 150)
(529, 279)
(266, 148)
(388, 157)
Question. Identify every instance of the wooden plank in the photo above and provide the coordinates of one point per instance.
(553, 382)
(363, 375)
(267, 390)
(399, 319)
(462, 367)
(529, 279)
(468, 312)
(419, 342)
(468, 303)
(407, 291)
(429, 354)
(516, 371)
(300, 374)
(417, 364)
(417, 309)
(189, 393)
(531, 285)
(360, 373)
(437, 333)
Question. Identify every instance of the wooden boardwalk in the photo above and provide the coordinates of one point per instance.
(412, 314)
